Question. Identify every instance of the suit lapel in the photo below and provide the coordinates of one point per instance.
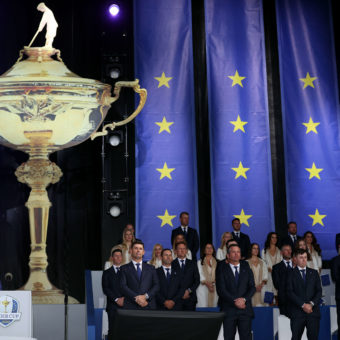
(230, 275)
(134, 271)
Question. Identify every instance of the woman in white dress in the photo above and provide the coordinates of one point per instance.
(128, 239)
(271, 255)
(259, 269)
(179, 238)
(206, 291)
(302, 244)
(222, 250)
(156, 258)
(314, 250)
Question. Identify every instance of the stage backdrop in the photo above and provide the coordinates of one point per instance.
(239, 126)
(165, 133)
(311, 117)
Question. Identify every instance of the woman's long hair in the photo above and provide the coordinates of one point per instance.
(269, 237)
(153, 257)
(315, 243)
(203, 255)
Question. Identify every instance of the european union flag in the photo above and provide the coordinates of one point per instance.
(165, 136)
(311, 117)
(239, 123)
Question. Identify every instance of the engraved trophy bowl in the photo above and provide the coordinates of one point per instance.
(44, 107)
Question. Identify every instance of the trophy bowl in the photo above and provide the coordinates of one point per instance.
(44, 107)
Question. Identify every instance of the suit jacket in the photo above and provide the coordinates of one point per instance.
(189, 277)
(171, 290)
(299, 292)
(243, 242)
(228, 290)
(111, 288)
(288, 240)
(131, 286)
(335, 271)
(191, 238)
(279, 275)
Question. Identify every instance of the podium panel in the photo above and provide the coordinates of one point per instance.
(15, 314)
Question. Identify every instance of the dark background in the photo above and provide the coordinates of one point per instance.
(81, 232)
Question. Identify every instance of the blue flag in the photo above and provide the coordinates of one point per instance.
(165, 135)
(310, 117)
(239, 126)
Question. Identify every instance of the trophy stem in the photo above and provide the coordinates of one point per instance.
(38, 173)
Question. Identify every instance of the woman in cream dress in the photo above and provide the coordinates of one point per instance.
(222, 250)
(314, 251)
(180, 238)
(259, 269)
(271, 255)
(206, 291)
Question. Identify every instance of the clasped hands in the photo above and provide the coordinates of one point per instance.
(141, 300)
(240, 303)
(307, 308)
(120, 301)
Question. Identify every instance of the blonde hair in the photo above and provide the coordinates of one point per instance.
(124, 244)
(175, 240)
(222, 238)
(153, 257)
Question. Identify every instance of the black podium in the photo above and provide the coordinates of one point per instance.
(164, 325)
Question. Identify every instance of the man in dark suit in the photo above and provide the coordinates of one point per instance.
(279, 275)
(190, 234)
(139, 281)
(235, 287)
(169, 296)
(292, 236)
(241, 238)
(335, 271)
(189, 276)
(111, 288)
(304, 293)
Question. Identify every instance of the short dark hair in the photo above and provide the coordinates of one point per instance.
(300, 251)
(286, 245)
(165, 249)
(137, 242)
(229, 241)
(183, 213)
(291, 222)
(116, 250)
(231, 246)
(235, 219)
(181, 242)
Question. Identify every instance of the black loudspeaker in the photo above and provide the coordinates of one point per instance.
(166, 325)
(337, 242)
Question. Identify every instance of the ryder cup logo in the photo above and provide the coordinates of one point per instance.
(9, 308)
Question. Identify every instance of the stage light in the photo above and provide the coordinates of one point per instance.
(114, 73)
(114, 210)
(114, 140)
(114, 10)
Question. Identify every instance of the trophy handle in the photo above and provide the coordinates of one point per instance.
(142, 99)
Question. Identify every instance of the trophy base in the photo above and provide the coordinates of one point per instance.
(51, 297)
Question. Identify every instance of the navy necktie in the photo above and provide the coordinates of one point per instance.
(182, 264)
(168, 275)
(236, 274)
(289, 265)
(303, 272)
(139, 271)
(117, 270)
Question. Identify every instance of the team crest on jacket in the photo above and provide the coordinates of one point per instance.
(9, 310)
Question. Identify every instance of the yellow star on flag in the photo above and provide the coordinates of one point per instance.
(165, 171)
(311, 126)
(240, 171)
(164, 125)
(163, 80)
(314, 171)
(237, 79)
(308, 81)
(166, 218)
(243, 218)
(317, 218)
(238, 124)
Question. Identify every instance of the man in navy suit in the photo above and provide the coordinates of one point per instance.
(169, 296)
(235, 287)
(190, 234)
(189, 276)
(304, 293)
(242, 239)
(139, 281)
(292, 236)
(111, 288)
(279, 274)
